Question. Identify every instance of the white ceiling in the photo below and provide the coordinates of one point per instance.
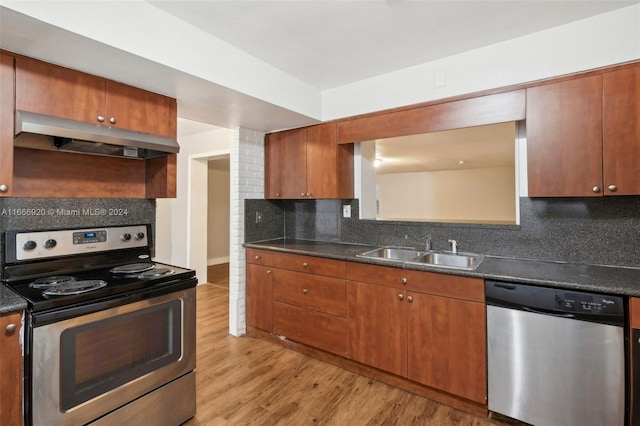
(321, 44)
(332, 43)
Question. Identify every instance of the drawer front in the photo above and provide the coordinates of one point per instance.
(454, 286)
(260, 257)
(300, 263)
(324, 294)
(317, 329)
(381, 275)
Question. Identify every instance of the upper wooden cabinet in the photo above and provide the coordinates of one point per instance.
(307, 163)
(621, 126)
(583, 136)
(52, 90)
(43, 88)
(6, 124)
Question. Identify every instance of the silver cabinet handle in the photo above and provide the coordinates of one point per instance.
(101, 119)
(112, 120)
(11, 328)
(268, 271)
(308, 194)
(4, 188)
(305, 291)
(400, 296)
(257, 257)
(612, 188)
(409, 299)
(277, 194)
(596, 189)
(302, 194)
(305, 264)
(403, 280)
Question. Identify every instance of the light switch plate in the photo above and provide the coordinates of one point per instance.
(346, 210)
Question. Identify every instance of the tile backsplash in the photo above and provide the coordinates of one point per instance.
(602, 230)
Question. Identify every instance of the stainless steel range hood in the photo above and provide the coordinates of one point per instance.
(40, 131)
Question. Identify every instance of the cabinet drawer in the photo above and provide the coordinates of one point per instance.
(381, 275)
(296, 262)
(324, 294)
(317, 329)
(454, 286)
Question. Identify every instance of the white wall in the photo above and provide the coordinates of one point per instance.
(247, 182)
(446, 196)
(605, 39)
(181, 230)
(218, 212)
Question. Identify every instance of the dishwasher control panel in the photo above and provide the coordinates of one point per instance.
(587, 303)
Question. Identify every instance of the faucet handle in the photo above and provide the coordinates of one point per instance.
(427, 244)
(454, 246)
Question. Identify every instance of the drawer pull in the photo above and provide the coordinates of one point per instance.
(305, 291)
(268, 271)
(409, 299)
(257, 257)
(403, 280)
(400, 296)
(11, 328)
(305, 264)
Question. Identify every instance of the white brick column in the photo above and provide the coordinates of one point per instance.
(247, 181)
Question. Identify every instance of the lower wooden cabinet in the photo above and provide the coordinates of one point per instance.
(10, 370)
(377, 330)
(425, 327)
(447, 345)
(259, 287)
(302, 298)
(428, 336)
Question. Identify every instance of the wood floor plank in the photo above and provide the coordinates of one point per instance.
(248, 381)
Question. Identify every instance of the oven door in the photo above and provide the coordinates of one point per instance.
(91, 365)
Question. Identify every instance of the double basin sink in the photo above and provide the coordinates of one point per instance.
(446, 259)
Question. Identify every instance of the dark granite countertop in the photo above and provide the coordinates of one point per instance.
(593, 278)
(10, 301)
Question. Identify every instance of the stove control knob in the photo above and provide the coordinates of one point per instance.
(29, 245)
(125, 237)
(139, 235)
(50, 243)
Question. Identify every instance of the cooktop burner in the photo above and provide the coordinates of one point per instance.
(155, 273)
(132, 268)
(74, 287)
(51, 281)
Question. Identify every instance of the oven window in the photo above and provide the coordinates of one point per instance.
(103, 355)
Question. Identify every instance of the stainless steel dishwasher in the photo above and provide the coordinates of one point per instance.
(555, 357)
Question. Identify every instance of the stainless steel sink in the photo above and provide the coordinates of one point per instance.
(393, 253)
(450, 260)
(443, 259)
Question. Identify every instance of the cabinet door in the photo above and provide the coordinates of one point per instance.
(564, 138)
(286, 165)
(621, 103)
(10, 370)
(49, 89)
(139, 110)
(259, 297)
(376, 325)
(447, 345)
(6, 124)
(329, 165)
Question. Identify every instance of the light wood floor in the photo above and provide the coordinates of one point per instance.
(247, 381)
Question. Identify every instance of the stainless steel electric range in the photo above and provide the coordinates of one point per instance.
(109, 334)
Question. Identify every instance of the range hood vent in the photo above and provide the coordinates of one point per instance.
(40, 131)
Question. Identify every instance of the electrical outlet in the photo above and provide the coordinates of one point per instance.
(346, 210)
(258, 217)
